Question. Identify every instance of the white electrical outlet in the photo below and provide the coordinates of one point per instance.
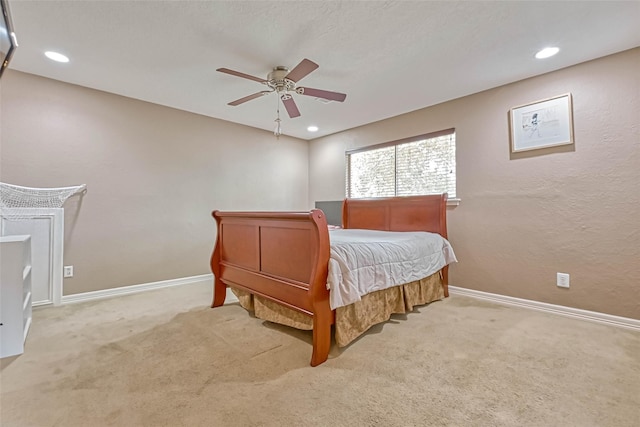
(68, 271)
(562, 280)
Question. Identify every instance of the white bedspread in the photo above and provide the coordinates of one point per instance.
(363, 261)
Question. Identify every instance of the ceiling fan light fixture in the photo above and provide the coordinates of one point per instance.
(547, 52)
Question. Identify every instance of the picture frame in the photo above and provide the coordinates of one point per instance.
(542, 124)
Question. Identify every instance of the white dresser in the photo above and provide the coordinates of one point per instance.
(15, 293)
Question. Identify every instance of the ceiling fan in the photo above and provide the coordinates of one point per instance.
(284, 82)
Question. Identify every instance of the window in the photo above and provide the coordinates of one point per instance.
(424, 164)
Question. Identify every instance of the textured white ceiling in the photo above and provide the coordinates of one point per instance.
(390, 57)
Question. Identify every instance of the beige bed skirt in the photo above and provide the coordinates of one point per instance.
(354, 319)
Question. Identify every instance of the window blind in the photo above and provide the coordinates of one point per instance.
(422, 165)
(372, 173)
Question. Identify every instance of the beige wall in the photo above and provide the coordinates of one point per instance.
(573, 209)
(153, 174)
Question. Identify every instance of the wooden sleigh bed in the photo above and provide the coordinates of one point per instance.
(282, 258)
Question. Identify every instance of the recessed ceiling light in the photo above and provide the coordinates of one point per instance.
(55, 56)
(312, 128)
(547, 52)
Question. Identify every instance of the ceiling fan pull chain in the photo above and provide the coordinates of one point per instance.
(278, 130)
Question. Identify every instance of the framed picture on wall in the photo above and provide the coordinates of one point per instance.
(541, 124)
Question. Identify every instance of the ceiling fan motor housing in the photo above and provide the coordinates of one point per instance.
(276, 80)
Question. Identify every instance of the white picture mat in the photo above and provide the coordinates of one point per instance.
(542, 124)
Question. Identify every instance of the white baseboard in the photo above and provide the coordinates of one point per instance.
(231, 297)
(134, 289)
(592, 316)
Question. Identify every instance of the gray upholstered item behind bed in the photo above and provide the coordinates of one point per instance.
(332, 210)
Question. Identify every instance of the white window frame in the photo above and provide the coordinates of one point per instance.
(451, 202)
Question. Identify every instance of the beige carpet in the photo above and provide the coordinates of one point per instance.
(163, 358)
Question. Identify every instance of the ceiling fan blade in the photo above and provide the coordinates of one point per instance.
(243, 75)
(290, 105)
(319, 93)
(301, 70)
(249, 98)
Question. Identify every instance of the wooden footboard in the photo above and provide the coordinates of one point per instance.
(282, 256)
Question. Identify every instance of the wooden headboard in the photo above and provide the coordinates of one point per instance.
(411, 213)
